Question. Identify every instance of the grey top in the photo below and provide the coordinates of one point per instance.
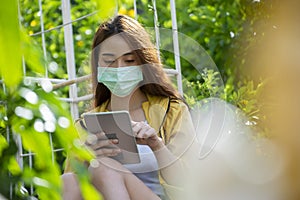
(147, 169)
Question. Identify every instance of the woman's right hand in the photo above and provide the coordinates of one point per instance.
(102, 146)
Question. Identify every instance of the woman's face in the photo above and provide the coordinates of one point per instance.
(115, 52)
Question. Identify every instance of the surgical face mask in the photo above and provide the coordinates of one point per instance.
(120, 81)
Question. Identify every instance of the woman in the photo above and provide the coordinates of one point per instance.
(127, 75)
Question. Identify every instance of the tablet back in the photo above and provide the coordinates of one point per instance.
(116, 125)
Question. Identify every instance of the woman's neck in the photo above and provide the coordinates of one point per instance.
(129, 103)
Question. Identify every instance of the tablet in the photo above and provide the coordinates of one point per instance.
(116, 125)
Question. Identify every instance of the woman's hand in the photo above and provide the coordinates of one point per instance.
(102, 146)
(147, 135)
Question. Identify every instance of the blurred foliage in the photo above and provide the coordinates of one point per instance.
(32, 114)
(247, 96)
(229, 31)
(39, 120)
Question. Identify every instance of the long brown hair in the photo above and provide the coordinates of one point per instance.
(155, 80)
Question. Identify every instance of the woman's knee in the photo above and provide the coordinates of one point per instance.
(70, 186)
(69, 178)
(107, 169)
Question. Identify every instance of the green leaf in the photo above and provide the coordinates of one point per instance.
(37, 143)
(10, 48)
(13, 166)
(106, 9)
(32, 54)
(88, 191)
(3, 144)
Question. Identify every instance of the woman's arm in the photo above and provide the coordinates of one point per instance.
(179, 135)
(171, 167)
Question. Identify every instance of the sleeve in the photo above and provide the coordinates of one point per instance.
(180, 139)
(179, 130)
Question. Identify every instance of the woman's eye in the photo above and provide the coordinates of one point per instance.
(108, 61)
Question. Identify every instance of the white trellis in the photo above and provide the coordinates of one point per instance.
(72, 79)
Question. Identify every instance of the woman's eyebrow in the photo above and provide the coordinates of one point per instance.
(108, 54)
(112, 55)
(127, 54)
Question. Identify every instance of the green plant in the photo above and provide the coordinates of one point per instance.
(226, 29)
(31, 112)
(208, 86)
(246, 96)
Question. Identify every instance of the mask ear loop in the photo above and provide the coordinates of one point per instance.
(163, 121)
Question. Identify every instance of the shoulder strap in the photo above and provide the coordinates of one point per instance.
(165, 116)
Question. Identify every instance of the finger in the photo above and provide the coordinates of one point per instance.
(101, 136)
(107, 152)
(146, 131)
(151, 132)
(141, 141)
(133, 123)
(115, 141)
(102, 144)
(143, 132)
(91, 139)
(136, 127)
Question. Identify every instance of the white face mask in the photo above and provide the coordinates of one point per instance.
(121, 81)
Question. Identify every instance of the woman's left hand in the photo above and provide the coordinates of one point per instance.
(147, 135)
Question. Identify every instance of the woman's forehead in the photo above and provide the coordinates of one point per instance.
(115, 46)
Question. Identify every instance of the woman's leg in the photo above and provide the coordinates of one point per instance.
(109, 182)
(137, 189)
(71, 188)
(116, 182)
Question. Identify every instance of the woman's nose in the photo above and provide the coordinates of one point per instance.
(121, 62)
(118, 63)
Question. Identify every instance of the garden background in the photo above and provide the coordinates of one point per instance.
(231, 32)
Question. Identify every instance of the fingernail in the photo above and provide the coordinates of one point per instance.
(116, 141)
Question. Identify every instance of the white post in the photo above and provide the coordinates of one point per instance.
(70, 59)
(135, 9)
(156, 28)
(43, 35)
(176, 46)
